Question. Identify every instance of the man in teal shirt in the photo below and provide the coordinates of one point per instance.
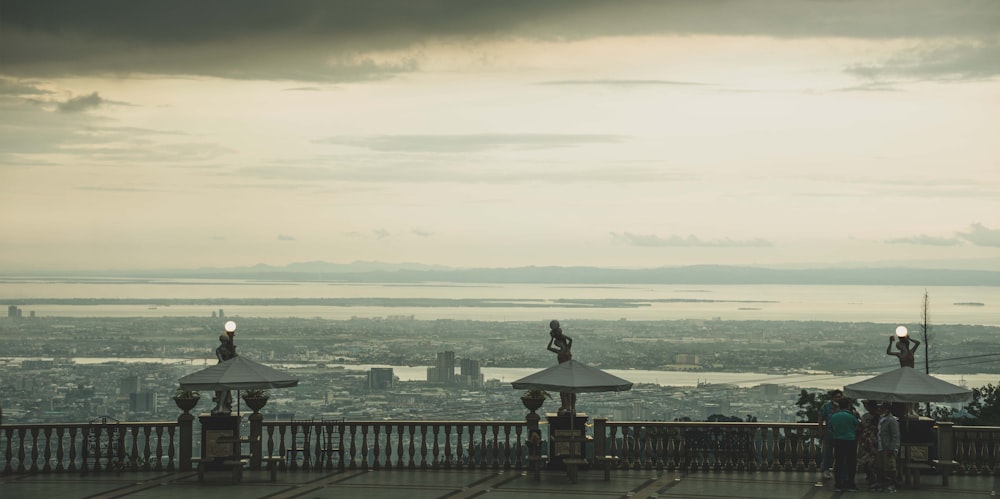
(843, 426)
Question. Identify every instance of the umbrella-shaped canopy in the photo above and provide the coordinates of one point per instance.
(573, 377)
(237, 373)
(907, 384)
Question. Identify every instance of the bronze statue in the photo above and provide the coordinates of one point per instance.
(562, 345)
(226, 350)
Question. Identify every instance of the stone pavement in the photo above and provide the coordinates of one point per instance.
(486, 484)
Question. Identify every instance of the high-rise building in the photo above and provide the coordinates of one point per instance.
(129, 384)
(13, 312)
(380, 378)
(471, 375)
(446, 367)
(142, 402)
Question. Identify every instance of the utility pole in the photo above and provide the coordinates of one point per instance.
(925, 326)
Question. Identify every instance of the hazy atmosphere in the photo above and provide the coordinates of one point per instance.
(146, 135)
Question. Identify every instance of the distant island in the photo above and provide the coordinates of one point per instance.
(413, 273)
(969, 304)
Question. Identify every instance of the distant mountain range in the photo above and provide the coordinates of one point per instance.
(376, 272)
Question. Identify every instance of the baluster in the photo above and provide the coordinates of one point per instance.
(718, 448)
(647, 448)
(364, 446)
(518, 447)
(627, 444)
(47, 453)
(769, 451)
(472, 446)
(660, 447)
(683, 449)
(436, 448)
(815, 453)
(34, 450)
(388, 446)
(613, 441)
(159, 449)
(984, 455)
(21, 433)
(8, 452)
(994, 454)
(423, 446)
(482, 446)
(376, 429)
(447, 446)
(282, 448)
(670, 453)
(459, 448)
(400, 455)
(506, 457)
(60, 433)
(351, 429)
(413, 448)
(728, 444)
(495, 447)
(805, 445)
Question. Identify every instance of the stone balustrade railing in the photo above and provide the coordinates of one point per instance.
(437, 445)
(89, 447)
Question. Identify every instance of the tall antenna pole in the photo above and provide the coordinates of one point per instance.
(925, 325)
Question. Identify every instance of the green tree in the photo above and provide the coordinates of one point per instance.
(983, 410)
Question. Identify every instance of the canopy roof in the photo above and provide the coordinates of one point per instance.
(573, 377)
(907, 384)
(237, 373)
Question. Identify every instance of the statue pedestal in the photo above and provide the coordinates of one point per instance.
(220, 440)
(567, 436)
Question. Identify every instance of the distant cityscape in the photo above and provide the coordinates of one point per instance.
(66, 369)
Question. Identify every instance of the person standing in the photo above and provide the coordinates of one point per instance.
(844, 426)
(867, 434)
(888, 448)
(825, 412)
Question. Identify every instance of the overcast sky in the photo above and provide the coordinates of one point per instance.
(154, 134)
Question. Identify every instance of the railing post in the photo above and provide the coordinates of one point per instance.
(946, 440)
(600, 437)
(256, 427)
(186, 422)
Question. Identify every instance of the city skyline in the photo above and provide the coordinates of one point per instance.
(638, 135)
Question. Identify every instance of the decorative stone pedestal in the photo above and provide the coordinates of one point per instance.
(220, 441)
(567, 436)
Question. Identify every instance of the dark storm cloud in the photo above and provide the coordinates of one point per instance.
(15, 87)
(690, 241)
(961, 62)
(980, 235)
(81, 103)
(326, 40)
(464, 143)
(926, 240)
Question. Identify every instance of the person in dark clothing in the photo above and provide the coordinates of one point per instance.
(844, 426)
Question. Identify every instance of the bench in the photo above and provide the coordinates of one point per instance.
(605, 463)
(945, 467)
(271, 464)
(572, 466)
(536, 462)
(234, 465)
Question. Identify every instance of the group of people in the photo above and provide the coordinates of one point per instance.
(871, 440)
(850, 440)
